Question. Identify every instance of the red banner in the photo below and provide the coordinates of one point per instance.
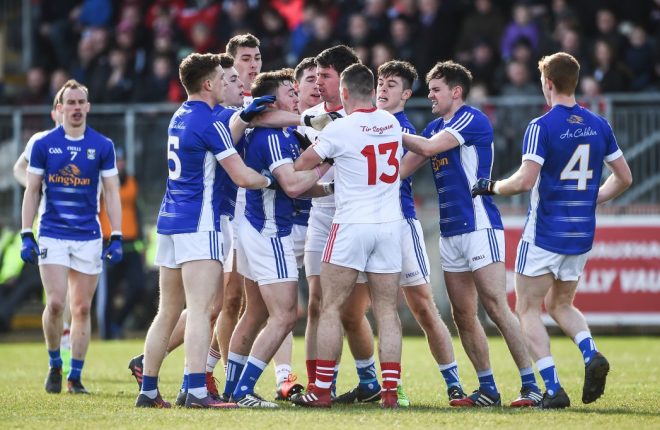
(621, 281)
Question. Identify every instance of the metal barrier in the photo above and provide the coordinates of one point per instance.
(141, 129)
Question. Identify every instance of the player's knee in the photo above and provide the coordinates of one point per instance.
(313, 309)
(351, 318)
(81, 310)
(55, 307)
(232, 305)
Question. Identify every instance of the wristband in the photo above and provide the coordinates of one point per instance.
(318, 171)
(328, 189)
(496, 187)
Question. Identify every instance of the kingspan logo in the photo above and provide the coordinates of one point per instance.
(68, 176)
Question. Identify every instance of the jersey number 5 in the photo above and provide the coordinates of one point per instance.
(369, 151)
(577, 167)
(173, 159)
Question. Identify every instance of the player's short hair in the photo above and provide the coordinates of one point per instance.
(58, 96)
(246, 40)
(195, 68)
(359, 80)
(402, 69)
(338, 57)
(563, 70)
(226, 60)
(267, 83)
(454, 74)
(73, 85)
(306, 63)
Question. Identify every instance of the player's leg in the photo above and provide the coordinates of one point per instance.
(311, 328)
(234, 297)
(361, 342)
(54, 278)
(530, 293)
(82, 292)
(170, 304)
(384, 289)
(285, 379)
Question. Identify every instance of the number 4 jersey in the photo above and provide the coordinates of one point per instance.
(366, 146)
(571, 144)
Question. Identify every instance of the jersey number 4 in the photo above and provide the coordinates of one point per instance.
(369, 151)
(577, 167)
(173, 159)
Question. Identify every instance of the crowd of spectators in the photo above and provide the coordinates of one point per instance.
(128, 50)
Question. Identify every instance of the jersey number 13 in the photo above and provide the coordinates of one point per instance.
(369, 151)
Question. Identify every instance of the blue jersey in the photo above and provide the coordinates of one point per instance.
(571, 144)
(228, 189)
(71, 170)
(270, 211)
(407, 202)
(456, 170)
(196, 142)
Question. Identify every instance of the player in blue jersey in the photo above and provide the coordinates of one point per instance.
(563, 155)
(460, 144)
(190, 245)
(394, 88)
(71, 163)
(267, 256)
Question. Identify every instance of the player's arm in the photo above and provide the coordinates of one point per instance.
(20, 170)
(308, 160)
(441, 142)
(112, 201)
(300, 183)
(618, 182)
(242, 175)
(31, 199)
(410, 163)
(521, 181)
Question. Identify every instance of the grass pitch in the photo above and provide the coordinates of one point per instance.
(630, 400)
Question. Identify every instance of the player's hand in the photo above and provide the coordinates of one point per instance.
(113, 251)
(303, 140)
(257, 106)
(29, 249)
(272, 184)
(319, 122)
(483, 187)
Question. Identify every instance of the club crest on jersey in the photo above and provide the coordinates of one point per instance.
(91, 154)
(575, 119)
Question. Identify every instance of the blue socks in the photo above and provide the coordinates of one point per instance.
(149, 386)
(76, 369)
(487, 382)
(55, 359)
(528, 379)
(585, 342)
(366, 370)
(548, 372)
(450, 374)
(251, 373)
(235, 365)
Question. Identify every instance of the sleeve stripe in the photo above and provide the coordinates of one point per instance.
(224, 134)
(462, 122)
(274, 146)
(532, 139)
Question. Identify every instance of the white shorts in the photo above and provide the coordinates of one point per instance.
(83, 256)
(265, 260)
(227, 243)
(298, 234)
(318, 228)
(534, 261)
(374, 248)
(415, 268)
(172, 250)
(472, 251)
(239, 212)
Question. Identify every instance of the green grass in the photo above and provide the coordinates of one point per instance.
(631, 398)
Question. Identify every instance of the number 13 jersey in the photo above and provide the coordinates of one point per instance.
(367, 149)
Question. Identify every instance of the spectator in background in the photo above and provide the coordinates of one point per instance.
(359, 32)
(127, 39)
(610, 73)
(638, 58)
(202, 39)
(607, 30)
(403, 9)
(302, 34)
(36, 91)
(401, 38)
(95, 13)
(290, 10)
(274, 38)
(237, 19)
(57, 80)
(160, 85)
(378, 23)
(571, 42)
(381, 53)
(56, 31)
(324, 36)
(484, 23)
(522, 25)
(121, 286)
(120, 81)
(484, 64)
(519, 81)
(436, 32)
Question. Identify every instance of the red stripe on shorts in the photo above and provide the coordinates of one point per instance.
(327, 254)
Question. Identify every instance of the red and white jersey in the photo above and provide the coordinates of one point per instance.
(313, 135)
(367, 149)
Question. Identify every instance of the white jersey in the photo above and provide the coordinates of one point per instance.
(28, 146)
(367, 149)
(313, 135)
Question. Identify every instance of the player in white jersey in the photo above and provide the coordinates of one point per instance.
(190, 241)
(366, 230)
(71, 164)
(460, 144)
(563, 154)
(330, 64)
(394, 88)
